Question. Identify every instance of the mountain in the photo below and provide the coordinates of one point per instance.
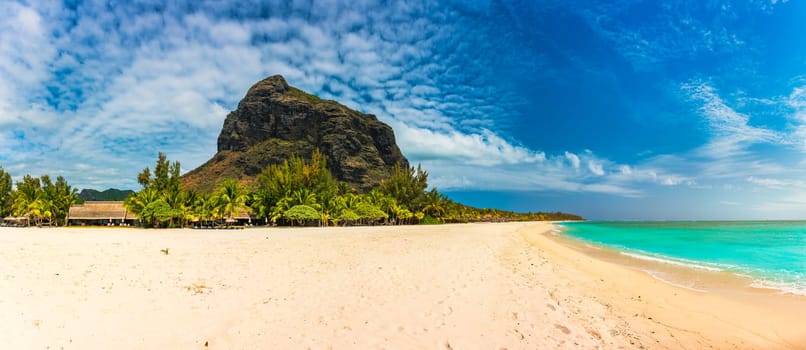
(275, 121)
(111, 194)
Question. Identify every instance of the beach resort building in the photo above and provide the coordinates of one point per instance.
(100, 213)
(15, 221)
(241, 217)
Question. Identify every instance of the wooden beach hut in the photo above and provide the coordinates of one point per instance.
(100, 213)
(15, 221)
(241, 217)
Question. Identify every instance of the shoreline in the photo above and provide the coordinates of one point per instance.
(691, 274)
(491, 286)
(716, 302)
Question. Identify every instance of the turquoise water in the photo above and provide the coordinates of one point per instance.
(773, 253)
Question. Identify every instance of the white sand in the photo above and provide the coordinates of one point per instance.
(479, 286)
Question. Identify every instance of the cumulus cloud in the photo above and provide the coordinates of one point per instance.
(596, 168)
(573, 158)
(25, 54)
(561, 172)
(625, 169)
(485, 148)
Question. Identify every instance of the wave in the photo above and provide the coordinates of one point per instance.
(655, 276)
(677, 262)
(784, 287)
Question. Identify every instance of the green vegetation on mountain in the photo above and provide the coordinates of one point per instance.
(111, 194)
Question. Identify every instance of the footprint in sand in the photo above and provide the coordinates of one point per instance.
(564, 329)
(448, 311)
(594, 334)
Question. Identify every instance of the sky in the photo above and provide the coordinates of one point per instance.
(624, 110)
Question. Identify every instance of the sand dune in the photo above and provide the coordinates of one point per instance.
(479, 286)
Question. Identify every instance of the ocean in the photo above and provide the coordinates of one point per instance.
(771, 253)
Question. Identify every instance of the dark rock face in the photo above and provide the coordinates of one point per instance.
(275, 121)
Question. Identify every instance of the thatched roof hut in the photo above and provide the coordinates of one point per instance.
(15, 220)
(242, 214)
(100, 211)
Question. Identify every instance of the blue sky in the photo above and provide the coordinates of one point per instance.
(613, 109)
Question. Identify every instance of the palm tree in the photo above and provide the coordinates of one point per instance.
(138, 201)
(402, 214)
(384, 202)
(28, 191)
(175, 198)
(304, 197)
(41, 209)
(63, 197)
(280, 208)
(204, 207)
(231, 197)
(435, 203)
(263, 202)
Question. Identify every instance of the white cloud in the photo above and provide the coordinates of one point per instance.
(731, 132)
(485, 148)
(573, 158)
(796, 101)
(557, 173)
(738, 154)
(625, 169)
(25, 53)
(673, 32)
(778, 184)
(595, 168)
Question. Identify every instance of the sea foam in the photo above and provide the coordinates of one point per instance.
(677, 262)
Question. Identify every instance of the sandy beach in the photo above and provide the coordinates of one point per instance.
(475, 286)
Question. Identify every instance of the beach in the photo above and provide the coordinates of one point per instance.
(470, 286)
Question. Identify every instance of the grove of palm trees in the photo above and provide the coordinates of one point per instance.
(41, 200)
(295, 192)
(303, 192)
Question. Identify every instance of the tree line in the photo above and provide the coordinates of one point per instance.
(303, 192)
(296, 192)
(40, 200)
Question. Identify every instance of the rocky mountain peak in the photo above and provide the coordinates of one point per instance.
(275, 121)
(272, 85)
